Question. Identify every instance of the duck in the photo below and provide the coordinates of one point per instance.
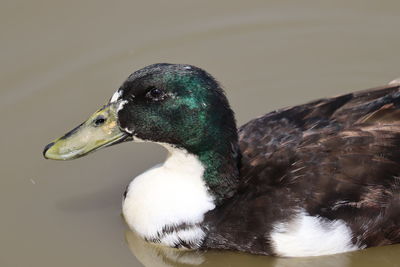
(315, 179)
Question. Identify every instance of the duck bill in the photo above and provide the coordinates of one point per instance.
(100, 130)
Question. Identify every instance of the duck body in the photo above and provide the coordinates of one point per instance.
(315, 179)
(319, 178)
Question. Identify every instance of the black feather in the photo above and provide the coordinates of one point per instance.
(336, 158)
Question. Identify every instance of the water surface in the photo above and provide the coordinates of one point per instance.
(60, 61)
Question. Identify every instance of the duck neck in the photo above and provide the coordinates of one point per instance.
(221, 167)
(221, 175)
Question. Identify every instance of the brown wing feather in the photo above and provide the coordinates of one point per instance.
(354, 175)
(340, 157)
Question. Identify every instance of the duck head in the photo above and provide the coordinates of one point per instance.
(179, 105)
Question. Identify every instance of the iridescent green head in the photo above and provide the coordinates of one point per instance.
(180, 105)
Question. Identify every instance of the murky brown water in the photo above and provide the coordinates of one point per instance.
(60, 61)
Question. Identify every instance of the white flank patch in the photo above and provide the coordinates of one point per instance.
(311, 236)
(395, 82)
(116, 96)
(169, 194)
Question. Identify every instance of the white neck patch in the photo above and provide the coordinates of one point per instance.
(169, 194)
(116, 96)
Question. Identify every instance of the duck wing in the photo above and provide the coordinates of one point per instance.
(338, 157)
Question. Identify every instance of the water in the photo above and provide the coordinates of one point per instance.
(61, 61)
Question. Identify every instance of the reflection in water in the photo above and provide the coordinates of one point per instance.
(157, 256)
(152, 255)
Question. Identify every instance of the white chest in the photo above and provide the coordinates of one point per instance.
(168, 195)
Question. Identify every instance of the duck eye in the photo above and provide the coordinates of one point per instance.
(99, 121)
(155, 93)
